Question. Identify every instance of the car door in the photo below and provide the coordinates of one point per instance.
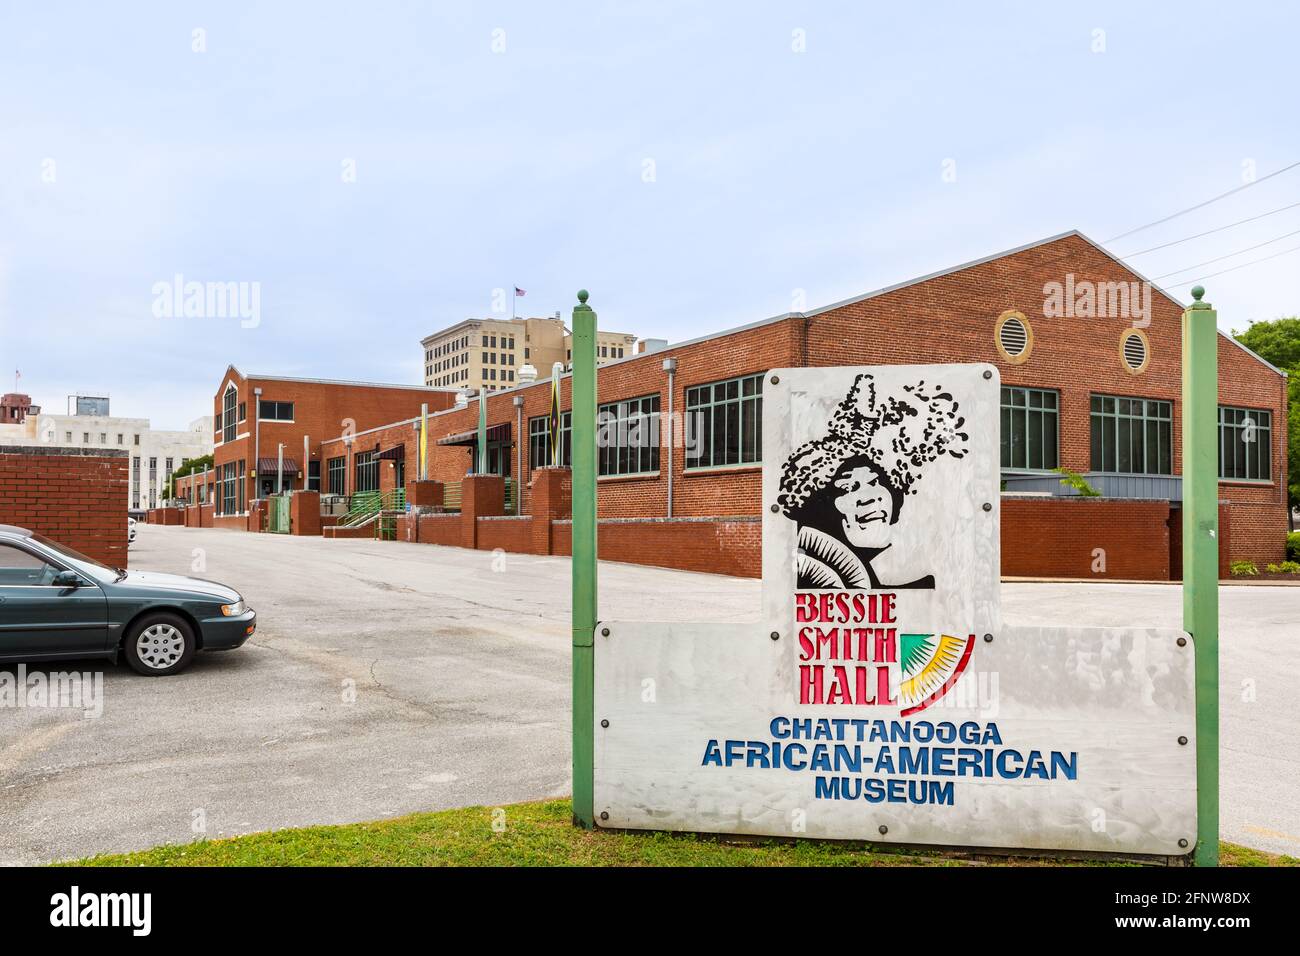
(38, 619)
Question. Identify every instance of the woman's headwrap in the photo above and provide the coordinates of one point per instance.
(900, 434)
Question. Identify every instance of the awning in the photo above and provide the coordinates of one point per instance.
(396, 453)
(495, 433)
(269, 466)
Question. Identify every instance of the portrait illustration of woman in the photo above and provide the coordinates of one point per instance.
(846, 491)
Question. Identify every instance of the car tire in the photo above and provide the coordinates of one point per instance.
(158, 645)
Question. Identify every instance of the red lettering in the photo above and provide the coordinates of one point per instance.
(805, 644)
(886, 645)
(810, 683)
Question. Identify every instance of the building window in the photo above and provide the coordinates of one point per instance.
(230, 403)
(103, 438)
(243, 484)
(724, 423)
(85, 438)
(337, 468)
(228, 489)
(67, 437)
(1030, 429)
(243, 411)
(627, 437)
(313, 476)
(367, 469)
(1245, 444)
(136, 440)
(119, 439)
(539, 441)
(1132, 436)
(275, 411)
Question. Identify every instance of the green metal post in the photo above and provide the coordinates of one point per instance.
(583, 403)
(1201, 555)
(481, 467)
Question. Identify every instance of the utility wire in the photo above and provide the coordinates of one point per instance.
(1209, 232)
(1202, 205)
(1259, 245)
(1253, 262)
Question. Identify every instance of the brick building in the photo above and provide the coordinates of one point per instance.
(1091, 383)
(71, 495)
(488, 353)
(255, 415)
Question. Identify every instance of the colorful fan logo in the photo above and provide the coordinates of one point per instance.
(931, 664)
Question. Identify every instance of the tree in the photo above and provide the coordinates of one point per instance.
(188, 467)
(1278, 342)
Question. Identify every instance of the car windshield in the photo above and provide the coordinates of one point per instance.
(87, 565)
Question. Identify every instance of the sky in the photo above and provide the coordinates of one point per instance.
(375, 172)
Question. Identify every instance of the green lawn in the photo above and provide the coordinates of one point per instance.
(540, 834)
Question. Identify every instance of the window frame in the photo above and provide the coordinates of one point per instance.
(702, 415)
(229, 407)
(1006, 413)
(615, 460)
(539, 441)
(1164, 434)
(1264, 441)
(276, 407)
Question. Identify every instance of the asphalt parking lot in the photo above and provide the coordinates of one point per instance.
(386, 678)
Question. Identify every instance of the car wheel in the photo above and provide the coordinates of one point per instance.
(160, 644)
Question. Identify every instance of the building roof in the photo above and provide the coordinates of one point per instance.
(334, 381)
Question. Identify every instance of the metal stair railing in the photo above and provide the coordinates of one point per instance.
(362, 508)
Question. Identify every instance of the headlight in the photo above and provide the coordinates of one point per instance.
(232, 610)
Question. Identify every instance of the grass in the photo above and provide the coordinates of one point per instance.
(541, 834)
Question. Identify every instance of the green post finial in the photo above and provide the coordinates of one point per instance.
(1197, 293)
(582, 298)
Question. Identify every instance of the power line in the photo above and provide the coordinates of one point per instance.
(1202, 205)
(1253, 262)
(1210, 232)
(1266, 242)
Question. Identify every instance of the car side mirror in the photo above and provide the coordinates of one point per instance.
(67, 579)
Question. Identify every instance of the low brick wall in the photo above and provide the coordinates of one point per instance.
(430, 529)
(76, 496)
(1078, 537)
(169, 516)
(513, 534)
(726, 545)
(366, 531)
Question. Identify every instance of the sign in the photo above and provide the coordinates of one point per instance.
(879, 696)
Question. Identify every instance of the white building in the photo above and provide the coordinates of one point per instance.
(155, 453)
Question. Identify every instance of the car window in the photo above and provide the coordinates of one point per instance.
(19, 568)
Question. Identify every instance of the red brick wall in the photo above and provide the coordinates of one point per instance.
(509, 534)
(432, 529)
(712, 545)
(70, 496)
(1058, 537)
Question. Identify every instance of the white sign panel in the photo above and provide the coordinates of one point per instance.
(879, 697)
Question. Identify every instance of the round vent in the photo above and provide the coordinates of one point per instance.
(1015, 339)
(1135, 350)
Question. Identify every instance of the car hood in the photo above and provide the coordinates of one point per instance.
(156, 580)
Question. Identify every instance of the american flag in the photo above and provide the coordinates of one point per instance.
(519, 291)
